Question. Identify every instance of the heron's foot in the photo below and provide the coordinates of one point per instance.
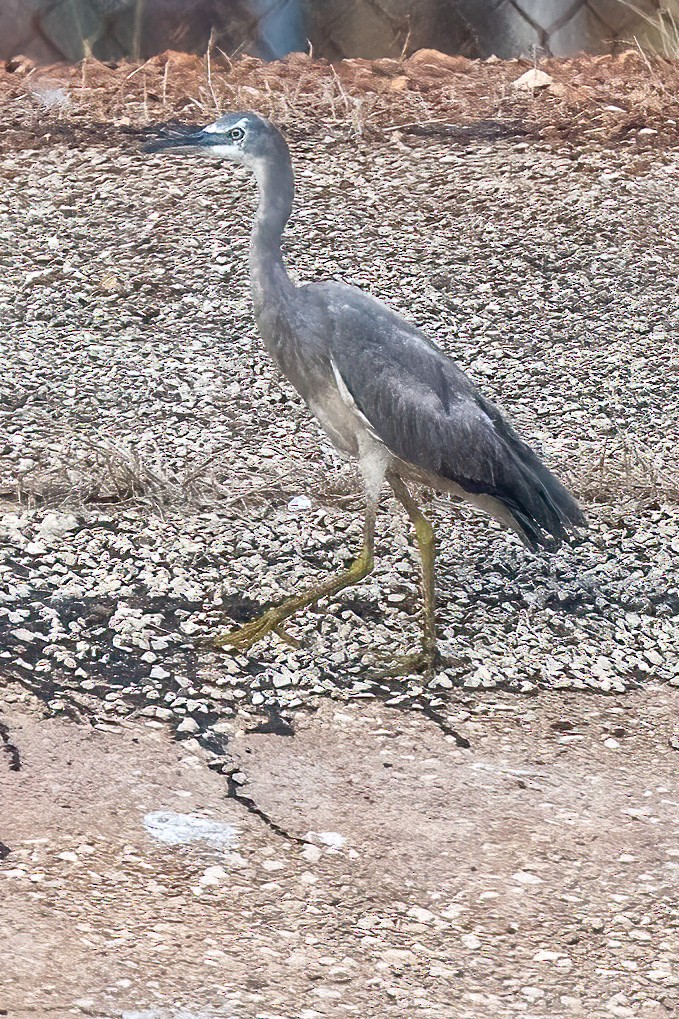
(423, 662)
(250, 633)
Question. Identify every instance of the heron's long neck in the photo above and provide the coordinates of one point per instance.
(269, 278)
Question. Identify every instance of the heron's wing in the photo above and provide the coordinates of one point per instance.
(429, 413)
(425, 410)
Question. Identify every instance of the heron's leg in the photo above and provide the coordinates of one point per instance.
(426, 543)
(271, 621)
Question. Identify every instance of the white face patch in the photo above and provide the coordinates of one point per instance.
(227, 150)
(223, 152)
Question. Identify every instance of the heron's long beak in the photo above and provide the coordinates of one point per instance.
(184, 140)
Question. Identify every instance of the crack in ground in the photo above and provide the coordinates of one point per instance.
(274, 724)
(431, 713)
(10, 748)
(234, 793)
(385, 694)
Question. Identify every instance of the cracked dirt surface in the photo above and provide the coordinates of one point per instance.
(533, 874)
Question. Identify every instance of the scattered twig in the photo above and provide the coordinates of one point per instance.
(208, 62)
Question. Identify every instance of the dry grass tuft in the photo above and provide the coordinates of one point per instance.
(624, 470)
(79, 471)
(355, 97)
(662, 29)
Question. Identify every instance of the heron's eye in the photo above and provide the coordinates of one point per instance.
(236, 133)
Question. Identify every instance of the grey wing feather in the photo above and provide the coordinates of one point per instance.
(429, 413)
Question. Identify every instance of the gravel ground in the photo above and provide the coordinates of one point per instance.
(160, 480)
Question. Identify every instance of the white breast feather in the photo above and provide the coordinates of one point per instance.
(349, 402)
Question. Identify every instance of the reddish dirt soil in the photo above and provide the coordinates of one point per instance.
(429, 90)
(532, 874)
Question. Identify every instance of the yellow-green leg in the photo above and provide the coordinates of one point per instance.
(272, 620)
(426, 543)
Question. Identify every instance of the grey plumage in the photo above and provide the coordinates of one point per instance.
(381, 389)
(429, 414)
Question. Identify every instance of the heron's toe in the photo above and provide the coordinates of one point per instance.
(250, 633)
(425, 662)
(287, 638)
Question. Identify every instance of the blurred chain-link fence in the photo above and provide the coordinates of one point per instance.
(479, 28)
(48, 30)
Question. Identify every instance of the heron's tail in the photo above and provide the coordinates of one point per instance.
(543, 510)
(531, 500)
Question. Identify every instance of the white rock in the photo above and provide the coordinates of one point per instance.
(188, 725)
(299, 504)
(177, 829)
(532, 993)
(532, 79)
(442, 971)
(312, 854)
(36, 548)
(25, 635)
(234, 860)
(212, 876)
(442, 681)
(420, 914)
(369, 921)
(524, 877)
(272, 865)
(452, 911)
(332, 839)
(398, 956)
(55, 525)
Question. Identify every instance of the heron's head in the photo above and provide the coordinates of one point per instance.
(240, 137)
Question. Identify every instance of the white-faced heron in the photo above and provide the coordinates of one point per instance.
(382, 391)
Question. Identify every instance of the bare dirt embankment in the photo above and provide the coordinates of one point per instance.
(532, 874)
(151, 462)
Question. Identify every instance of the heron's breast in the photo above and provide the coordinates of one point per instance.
(339, 416)
(338, 420)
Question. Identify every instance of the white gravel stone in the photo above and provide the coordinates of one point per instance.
(533, 79)
(525, 877)
(312, 854)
